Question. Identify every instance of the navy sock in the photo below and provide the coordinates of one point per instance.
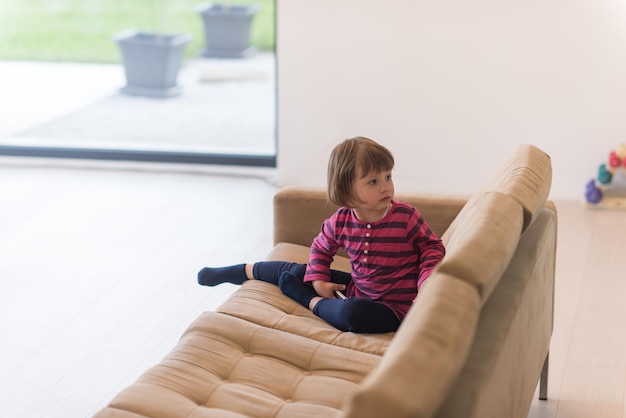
(212, 276)
(293, 287)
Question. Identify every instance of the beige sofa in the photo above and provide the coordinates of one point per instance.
(473, 345)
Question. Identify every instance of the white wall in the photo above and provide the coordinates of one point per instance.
(451, 86)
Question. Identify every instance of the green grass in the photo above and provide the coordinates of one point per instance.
(82, 30)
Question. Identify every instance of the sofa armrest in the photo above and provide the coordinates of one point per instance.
(299, 212)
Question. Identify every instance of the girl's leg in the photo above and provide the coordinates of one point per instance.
(293, 286)
(267, 271)
(296, 289)
(352, 314)
(357, 315)
(270, 271)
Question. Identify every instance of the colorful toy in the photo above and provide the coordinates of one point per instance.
(595, 190)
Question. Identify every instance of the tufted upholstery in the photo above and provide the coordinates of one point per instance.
(271, 359)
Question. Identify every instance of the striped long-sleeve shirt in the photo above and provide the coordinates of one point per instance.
(390, 258)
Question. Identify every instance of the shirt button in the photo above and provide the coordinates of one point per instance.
(365, 252)
(367, 234)
(369, 226)
(365, 260)
(367, 244)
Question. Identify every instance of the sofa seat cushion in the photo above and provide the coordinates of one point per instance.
(263, 304)
(226, 366)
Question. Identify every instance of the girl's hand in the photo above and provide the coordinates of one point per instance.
(327, 289)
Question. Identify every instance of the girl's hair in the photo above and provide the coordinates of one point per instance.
(346, 159)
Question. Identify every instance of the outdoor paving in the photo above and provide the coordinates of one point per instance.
(226, 106)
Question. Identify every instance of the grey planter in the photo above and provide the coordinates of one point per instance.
(151, 62)
(227, 30)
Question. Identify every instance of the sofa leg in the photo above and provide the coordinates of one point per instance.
(543, 381)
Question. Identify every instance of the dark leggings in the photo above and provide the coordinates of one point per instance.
(353, 314)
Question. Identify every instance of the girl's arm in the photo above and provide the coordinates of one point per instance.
(430, 248)
(323, 251)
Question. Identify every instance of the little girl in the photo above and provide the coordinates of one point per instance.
(391, 248)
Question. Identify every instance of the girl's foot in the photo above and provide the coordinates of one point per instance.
(212, 276)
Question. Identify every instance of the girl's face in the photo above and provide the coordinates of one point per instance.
(373, 194)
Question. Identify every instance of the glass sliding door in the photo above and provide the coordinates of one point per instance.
(222, 112)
